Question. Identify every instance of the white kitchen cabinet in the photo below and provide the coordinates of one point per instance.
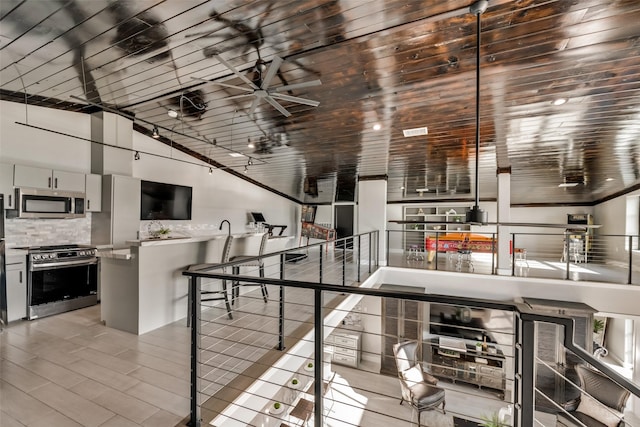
(93, 185)
(6, 185)
(35, 177)
(16, 287)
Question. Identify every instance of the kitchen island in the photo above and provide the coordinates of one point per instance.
(142, 287)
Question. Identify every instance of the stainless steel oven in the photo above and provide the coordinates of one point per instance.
(61, 278)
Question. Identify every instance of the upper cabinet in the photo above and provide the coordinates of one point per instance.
(6, 186)
(34, 177)
(93, 184)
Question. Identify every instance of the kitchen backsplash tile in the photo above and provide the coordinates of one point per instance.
(33, 232)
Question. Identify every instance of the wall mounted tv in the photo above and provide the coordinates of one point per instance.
(164, 201)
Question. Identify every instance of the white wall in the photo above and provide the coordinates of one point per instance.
(216, 197)
(34, 147)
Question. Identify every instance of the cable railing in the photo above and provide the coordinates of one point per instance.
(339, 337)
(564, 255)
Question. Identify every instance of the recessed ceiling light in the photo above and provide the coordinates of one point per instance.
(567, 184)
(609, 179)
(377, 126)
(559, 101)
(415, 132)
(172, 113)
(236, 155)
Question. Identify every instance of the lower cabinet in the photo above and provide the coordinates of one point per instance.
(16, 287)
(481, 369)
(345, 347)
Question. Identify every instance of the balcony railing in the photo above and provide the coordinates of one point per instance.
(327, 314)
(564, 254)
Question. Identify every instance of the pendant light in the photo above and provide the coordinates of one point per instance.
(477, 215)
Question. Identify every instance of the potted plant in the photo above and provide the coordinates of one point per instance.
(162, 233)
(492, 420)
(276, 408)
(308, 367)
(294, 383)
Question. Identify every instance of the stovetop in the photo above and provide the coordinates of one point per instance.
(55, 248)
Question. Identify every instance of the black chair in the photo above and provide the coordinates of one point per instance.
(251, 261)
(226, 250)
(600, 404)
(418, 387)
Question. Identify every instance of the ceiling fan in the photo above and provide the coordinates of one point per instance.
(477, 216)
(259, 88)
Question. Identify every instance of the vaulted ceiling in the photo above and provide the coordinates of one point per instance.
(399, 64)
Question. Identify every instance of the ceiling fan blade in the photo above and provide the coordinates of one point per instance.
(295, 99)
(271, 72)
(293, 86)
(244, 95)
(277, 106)
(253, 106)
(244, 89)
(234, 71)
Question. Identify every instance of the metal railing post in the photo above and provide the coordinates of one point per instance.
(195, 285)
(629, 274)
(281, 346)
(493, 253)
(513, 254)
(387, 247)
(524, 381)
(320, 264)
(567, 253)
(318, 384)
(358, 262)
(377, 248)
(344, 264)
(370, 237)
(436, 257)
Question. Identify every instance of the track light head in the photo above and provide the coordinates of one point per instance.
(136, 156)
(210, 171)
(155, 134)
(246, 169)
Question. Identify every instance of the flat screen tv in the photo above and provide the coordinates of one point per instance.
(258, 217)
(162, 201)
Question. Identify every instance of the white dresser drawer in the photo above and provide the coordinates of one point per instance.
(345, 360)
(346, 341)
(351, 352)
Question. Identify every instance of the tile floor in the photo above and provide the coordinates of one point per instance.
(69, 370)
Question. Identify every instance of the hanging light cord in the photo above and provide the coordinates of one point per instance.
(478, 111)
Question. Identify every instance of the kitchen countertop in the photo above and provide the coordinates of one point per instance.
(184, 239)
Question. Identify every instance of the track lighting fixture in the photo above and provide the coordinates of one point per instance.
(246, 169)
(250, 144)
(250, 162)
(155, 133)
(136, 156)
(210, 171)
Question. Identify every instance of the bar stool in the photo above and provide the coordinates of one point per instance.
(464, 255)
(226, 250)
(415, 253)
(252, 261)
(521, 255)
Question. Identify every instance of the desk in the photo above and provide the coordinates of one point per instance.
(452, 242)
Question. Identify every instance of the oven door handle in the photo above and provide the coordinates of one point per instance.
(63, 264)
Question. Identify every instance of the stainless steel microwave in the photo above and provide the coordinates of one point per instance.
(40, 203)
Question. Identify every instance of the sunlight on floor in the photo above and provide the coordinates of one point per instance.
(343, 405)
(574, 268)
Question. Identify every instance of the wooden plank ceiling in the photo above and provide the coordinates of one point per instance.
(400, 64)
